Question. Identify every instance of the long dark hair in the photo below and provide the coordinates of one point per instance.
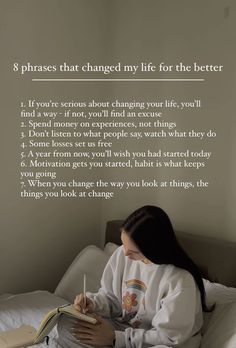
(151, 230)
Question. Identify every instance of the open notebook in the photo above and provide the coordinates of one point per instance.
(27, 335)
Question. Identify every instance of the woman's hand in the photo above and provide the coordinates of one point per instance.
(101, 334)
(83, 304)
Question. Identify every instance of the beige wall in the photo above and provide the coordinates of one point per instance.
(40, 238)
(187, 31)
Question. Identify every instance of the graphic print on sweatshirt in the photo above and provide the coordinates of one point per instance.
(133, 302)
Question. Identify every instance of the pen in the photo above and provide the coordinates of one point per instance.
(84, 292)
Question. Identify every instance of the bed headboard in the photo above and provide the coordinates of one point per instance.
(215, 258)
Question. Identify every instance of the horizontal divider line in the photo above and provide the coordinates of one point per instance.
(118, 80)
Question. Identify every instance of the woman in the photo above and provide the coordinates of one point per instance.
(151, 294)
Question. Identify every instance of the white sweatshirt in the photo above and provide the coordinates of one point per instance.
(150, 305)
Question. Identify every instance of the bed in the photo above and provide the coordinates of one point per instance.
(216, 259)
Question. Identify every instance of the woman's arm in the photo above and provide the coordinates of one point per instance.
(107, 301)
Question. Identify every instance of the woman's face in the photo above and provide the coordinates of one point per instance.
(130, 248)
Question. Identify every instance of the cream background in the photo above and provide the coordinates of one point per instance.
(39, 239)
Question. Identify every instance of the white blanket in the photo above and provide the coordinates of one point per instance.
(29, 309)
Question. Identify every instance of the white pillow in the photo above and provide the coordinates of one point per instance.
(90, 261)
(218, 293)
(110, 248)
(221, 329)
(215, 324)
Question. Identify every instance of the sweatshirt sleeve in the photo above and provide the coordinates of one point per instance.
(172, 325)
(107, 301)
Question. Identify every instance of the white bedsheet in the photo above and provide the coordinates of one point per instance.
(28, 308)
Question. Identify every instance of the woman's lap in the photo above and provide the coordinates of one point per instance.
(65, 333)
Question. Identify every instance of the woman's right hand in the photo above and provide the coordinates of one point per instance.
(83, 304)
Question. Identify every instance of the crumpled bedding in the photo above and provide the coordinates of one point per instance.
(29, 309)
